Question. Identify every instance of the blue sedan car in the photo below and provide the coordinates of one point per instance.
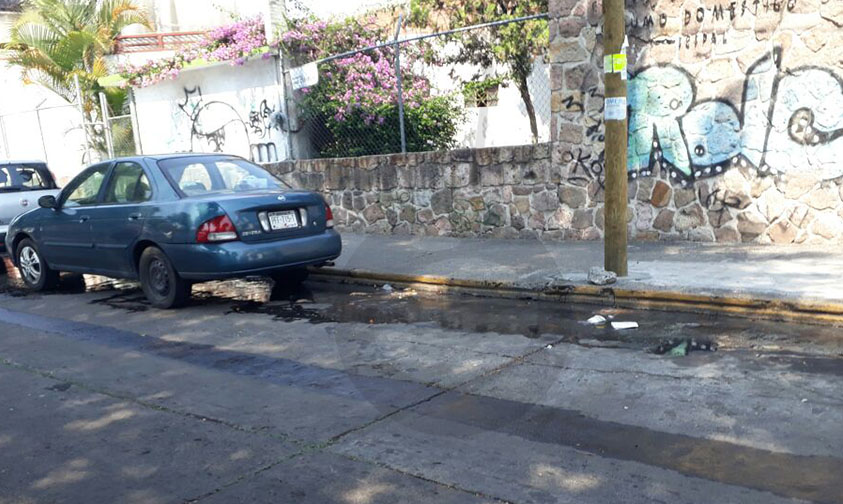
(173, 220)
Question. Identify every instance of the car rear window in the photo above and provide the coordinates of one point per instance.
(194, 176)
(6, 181)
(19, 177)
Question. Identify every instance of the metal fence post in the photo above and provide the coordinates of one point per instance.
(106, 125)
(41, 132)
(133, 114)
(6, 152)
(398, 81)
(82, 117)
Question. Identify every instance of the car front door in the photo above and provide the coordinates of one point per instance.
(118, 222)
(66, 236)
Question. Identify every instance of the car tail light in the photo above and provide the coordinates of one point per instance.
(329, 217)
(218, 229)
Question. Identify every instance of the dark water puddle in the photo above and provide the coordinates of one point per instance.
(323, 302)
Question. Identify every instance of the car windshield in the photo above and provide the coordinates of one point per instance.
(195, 176)
(22, 177)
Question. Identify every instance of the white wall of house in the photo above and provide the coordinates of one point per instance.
(507, 121)
(219, 108)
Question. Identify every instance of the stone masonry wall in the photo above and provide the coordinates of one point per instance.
(505, 192)
(735, 115)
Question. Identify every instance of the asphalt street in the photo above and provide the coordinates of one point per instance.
(358, 394)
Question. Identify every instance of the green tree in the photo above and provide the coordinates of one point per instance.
(513, 46)
(56, 41)
(353, 109)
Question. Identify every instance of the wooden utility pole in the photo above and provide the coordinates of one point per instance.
(615, 241)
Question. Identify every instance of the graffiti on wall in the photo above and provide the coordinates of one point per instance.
(216, 126)
(788, 121)
(261, 119)
(701, 25)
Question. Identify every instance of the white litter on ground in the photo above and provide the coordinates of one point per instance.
(597, 320)
(624, 325)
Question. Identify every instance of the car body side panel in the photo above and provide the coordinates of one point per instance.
(65, 237)
(115, 229)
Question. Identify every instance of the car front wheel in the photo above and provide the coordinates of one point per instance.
(160, 281)
(33, 268)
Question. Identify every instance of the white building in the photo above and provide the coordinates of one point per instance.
(217, 108)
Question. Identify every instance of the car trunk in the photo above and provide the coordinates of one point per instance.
(285, 214)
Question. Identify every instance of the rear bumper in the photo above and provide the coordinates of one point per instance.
(234, 259)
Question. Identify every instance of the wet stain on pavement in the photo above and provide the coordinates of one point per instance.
(60, 387)
(131, 301)
(332, 302)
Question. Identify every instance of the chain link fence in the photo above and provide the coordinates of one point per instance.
(423, 92)
(51, 134)
(122, 136)
(63, 138)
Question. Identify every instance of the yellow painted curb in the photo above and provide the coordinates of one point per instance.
(743, 306)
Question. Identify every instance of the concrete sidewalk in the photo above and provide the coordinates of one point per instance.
(805, 276)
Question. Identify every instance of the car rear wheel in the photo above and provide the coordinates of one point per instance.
(160, 281)
(34, 271)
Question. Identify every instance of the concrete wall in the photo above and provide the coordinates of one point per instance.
(735, 115)
(220, 108)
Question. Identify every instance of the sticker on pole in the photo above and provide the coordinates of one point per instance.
(615, 109)
(304, 76)
(614, 63)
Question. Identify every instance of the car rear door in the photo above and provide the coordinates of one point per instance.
(118, 221)
(35, 181)
(66, 235)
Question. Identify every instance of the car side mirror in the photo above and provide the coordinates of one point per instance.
(48, 201)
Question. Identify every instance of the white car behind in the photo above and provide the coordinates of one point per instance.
(21, 184)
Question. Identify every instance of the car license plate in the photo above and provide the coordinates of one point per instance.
(283, 220)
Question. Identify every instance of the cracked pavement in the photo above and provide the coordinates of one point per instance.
(352, 394)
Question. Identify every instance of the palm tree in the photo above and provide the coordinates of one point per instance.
(57, 41)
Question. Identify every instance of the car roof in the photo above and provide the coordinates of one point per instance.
(7, 162)
(175, 155)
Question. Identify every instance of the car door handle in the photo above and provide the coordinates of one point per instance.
(84, 218)
(135, 216)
